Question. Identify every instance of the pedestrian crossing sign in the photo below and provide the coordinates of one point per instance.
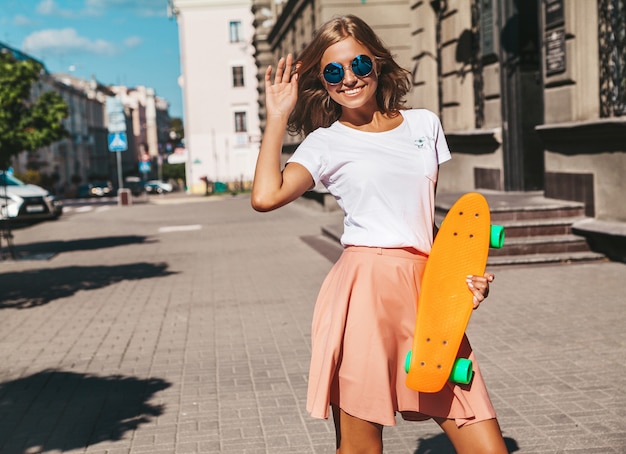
(118, 141)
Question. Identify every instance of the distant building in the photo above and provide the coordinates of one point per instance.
(219, 84)
(149, 116)
(66, 163)
(84, 155)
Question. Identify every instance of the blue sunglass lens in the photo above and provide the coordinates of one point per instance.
(333, 73)
(361, 66)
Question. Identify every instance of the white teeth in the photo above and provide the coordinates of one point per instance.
(352, 91)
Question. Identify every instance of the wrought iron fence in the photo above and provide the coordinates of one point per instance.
(477, 67)
(612, 47)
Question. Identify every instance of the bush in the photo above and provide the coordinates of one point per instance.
(30, 177)
(173, 171)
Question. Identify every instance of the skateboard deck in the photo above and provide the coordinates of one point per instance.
(445, 303)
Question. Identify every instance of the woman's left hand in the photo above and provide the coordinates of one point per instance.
(479, 286)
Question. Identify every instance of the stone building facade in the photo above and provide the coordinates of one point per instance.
(531, 94)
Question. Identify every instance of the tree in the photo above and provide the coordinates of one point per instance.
(26, 124)
(176, 125)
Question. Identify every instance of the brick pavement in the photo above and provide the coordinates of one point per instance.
(183, 327)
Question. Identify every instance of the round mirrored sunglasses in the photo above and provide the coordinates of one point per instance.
(361, 66)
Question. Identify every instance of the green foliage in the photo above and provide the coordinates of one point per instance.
(30, 177)
(26, 124)
(173, 171)
(176, 125)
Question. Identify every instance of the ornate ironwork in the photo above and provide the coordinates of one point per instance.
(477, 67)
(439, 7)
(612, 38)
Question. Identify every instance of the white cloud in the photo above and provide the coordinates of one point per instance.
(50, 8)
(133, 41)
(46, 7)
(22, 21)
(65, 42)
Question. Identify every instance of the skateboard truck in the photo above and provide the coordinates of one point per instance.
(462, 370)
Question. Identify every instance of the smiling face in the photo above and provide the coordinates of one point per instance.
(353, 92)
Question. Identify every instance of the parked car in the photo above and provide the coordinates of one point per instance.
(26, 202)
(137, 188)
(8, 206)
(96, 189)
(158, 187)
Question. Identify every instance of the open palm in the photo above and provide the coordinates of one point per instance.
(282, 94)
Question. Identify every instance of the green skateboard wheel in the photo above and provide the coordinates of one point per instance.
(462, 371)
(496, 236)
(407, 362)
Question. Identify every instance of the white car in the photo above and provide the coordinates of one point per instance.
(158, 187)
(26, 202)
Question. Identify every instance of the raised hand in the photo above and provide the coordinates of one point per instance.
(281, 96)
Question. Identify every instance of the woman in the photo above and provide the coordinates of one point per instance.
(380, 161)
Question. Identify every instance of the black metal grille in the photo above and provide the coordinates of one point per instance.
(34, 207)
(477, 68)
(612, 39)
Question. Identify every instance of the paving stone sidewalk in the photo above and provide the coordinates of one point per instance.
(182, 326)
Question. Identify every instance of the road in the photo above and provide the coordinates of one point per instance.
(182, 325)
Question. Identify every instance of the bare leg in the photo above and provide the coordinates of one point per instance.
(356, 436)
(483, 437)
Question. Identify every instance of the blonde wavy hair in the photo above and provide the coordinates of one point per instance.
(314, 108)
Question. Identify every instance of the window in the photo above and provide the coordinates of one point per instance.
(238, 76)
(485, 22)
(240, 122)
(235, 31)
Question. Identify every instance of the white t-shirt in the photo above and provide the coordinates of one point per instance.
(383, 181)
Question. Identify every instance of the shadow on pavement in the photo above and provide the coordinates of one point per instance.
(60, 411)
(440, 444)
(86, 244)
(26, 289)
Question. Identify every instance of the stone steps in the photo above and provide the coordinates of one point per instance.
(538, 230)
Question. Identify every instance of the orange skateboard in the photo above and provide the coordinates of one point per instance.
(445, 303)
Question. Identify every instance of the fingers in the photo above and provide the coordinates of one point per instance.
(280, 69)
(287, 68)
(283, 71)
(479, 286)
(268, 75)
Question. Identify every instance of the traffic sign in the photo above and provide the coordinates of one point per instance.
(117, 122)
(118, 141)
(115, 114)
(144, 166)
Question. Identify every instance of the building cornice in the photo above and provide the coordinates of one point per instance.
(284, 22)
(591, 136)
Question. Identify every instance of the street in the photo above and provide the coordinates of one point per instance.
(181, 325)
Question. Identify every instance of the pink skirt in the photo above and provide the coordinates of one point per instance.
(362, 329)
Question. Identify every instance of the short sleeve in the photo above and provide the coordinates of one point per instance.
(441, 145)
(311, 154)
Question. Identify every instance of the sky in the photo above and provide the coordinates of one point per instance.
(119, 42)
